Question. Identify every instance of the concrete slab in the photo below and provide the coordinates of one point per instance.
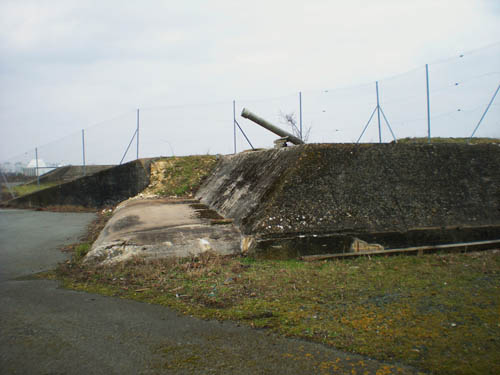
(158, 228)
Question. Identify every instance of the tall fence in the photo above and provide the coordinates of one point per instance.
(456, 97)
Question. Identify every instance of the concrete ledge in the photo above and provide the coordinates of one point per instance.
(419, 250)
(342, 243)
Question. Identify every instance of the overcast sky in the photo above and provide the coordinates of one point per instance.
(68, 64)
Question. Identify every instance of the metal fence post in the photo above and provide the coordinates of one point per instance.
(378, 115)
(428, 104)
(234, 125)
(83, 151)
(485, 112)
(130, 144)
(137, 132)
(300, 114)
(36, 170)
(7, 185)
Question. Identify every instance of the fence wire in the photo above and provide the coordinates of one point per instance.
(460, 89)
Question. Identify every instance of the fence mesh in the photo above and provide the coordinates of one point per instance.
(460, 89)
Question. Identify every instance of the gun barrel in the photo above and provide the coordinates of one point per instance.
(272, 128)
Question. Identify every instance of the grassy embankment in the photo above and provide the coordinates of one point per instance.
(20, 190)
(439, 313)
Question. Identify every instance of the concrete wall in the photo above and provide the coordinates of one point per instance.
(69, 173)
(317, 198)
(104, 188)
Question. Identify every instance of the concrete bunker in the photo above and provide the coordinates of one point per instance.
(322, 198)
(317, 199)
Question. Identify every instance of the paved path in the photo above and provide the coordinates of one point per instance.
(48, 330)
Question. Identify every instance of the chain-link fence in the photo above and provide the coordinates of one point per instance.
(449, 98)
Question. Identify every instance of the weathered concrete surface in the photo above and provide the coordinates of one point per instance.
(105, 188)
(163, 228)
(70, 173)
(318, 198)
(45, 329)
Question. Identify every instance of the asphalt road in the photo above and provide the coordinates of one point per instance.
(48, 330)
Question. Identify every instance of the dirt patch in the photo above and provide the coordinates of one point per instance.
(179, 176)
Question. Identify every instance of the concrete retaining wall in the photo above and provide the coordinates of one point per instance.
(104, 188)
(70, 173)
(318, 198)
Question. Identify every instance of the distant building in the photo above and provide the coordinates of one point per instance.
(31, 168)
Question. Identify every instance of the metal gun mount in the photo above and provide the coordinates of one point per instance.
(272, 128)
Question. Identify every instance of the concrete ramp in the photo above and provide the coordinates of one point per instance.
(159, 228)
(329, 198)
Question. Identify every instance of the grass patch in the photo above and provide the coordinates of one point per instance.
(439, 313)
(179, 176)
(81, 250)
(20, 190)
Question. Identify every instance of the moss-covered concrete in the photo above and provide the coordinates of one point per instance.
(319, 197)
(70, 173)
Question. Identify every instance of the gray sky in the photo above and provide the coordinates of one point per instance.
(67, 65)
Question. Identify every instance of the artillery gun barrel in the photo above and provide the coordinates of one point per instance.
(272, 128)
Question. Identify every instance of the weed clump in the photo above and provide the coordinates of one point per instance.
(81, 250)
